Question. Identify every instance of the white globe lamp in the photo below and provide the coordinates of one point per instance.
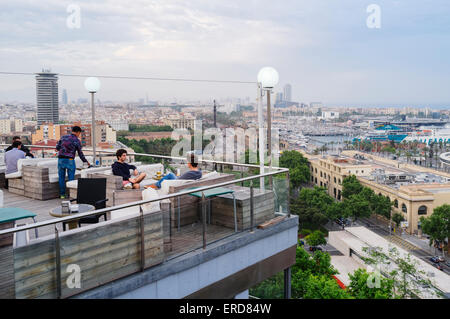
(92, 84)
(268, 77)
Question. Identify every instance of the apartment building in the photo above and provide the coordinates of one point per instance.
(8, 126)
(415, 193)
(182, 121)
(104, 132)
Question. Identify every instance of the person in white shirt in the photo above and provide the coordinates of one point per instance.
(13, 156)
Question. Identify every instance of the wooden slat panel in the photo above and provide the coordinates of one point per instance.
(6, 272)
(104, 252)
(223, 212)
(188, 211)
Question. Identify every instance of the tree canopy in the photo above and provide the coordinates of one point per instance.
(298, 167)
(312, 206)
(438, 224)
(360, 288)
(407, 279)
(351, 186)
(316, 238)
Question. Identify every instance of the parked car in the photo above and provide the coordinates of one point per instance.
(440, 258)
(434, 259)
(314, 248)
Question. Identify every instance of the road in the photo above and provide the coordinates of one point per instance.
(383, 231)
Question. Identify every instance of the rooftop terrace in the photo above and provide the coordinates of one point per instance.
(139, 240)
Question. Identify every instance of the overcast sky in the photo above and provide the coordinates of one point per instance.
(324, 48)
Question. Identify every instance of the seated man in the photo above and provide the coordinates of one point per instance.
(193, 173)
(13, 156)
(120, 168)
(23, 148)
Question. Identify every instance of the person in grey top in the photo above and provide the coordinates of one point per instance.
(12, 156)
(194, 172)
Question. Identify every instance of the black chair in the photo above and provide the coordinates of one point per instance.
(91, 191)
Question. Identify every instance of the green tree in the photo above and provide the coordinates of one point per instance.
(150, 128)
(311, 278)
(307, 270)
(322, 287)
(360, 289)
(271, 288)
(437, 225)
(311, 206)
(316, 238)
(408, 280)
(397, 218)
(356, 206)
(298, 168)
(351, 186)
(157, 147)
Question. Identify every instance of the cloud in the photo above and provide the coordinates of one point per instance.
(323, 48)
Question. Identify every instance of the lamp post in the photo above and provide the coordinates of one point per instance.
(261, 135)
(268, 78)
(92, 85)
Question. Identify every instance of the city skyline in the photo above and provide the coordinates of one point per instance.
(324, 50)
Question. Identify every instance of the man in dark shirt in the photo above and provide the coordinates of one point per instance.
(23, 147)
(193, 173)
(121, 168)
(67, 148)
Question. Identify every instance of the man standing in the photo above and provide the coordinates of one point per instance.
(121, 168)
(67, 146)
(23, 147)
(12, 156)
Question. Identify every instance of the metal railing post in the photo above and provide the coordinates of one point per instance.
(58, 264)
(288, 207)
(252, 208)
(170, 221)
(287, 283)
(204, 220)
(142, 235)
(242, 176)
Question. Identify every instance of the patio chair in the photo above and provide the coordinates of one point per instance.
(91, 191)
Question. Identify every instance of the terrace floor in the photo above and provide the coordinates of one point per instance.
(40, 207)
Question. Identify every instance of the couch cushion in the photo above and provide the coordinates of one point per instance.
(102, 170)
(209, 175)
(14, 175)
(152, 207)
(72, 184)
(29, 162)
(53, 178)
(51, 164)
(165, 185)
(130, 211)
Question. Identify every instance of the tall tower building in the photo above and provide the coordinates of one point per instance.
(64, 99)
(47, 97)
(288, 93)
(279, 98)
